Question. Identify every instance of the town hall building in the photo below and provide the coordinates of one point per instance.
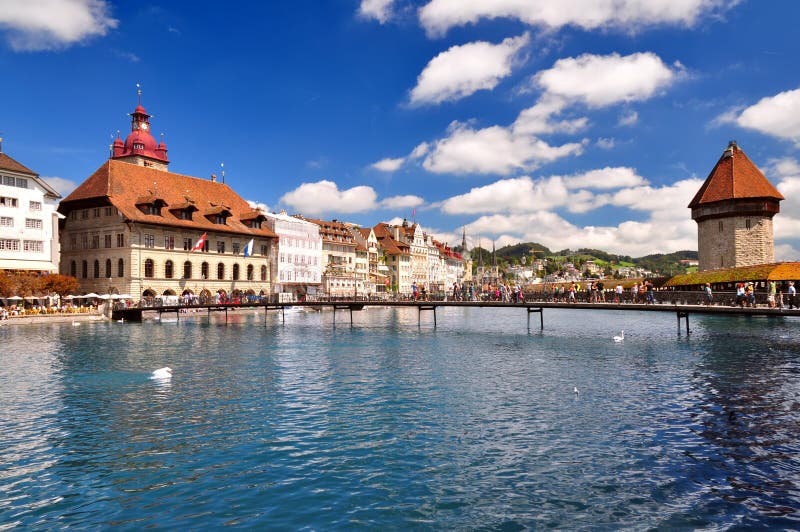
(133, 227)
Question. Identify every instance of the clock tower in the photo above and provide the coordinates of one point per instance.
(140, 147)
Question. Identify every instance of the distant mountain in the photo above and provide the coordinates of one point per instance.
(668, 263)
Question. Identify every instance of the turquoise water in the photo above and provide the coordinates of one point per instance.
(391, 425)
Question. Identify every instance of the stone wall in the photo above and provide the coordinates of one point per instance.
(728, 242)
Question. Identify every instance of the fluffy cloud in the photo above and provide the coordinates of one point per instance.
(492, 150)
(601, 80)
(465, 69)
(388, 165)
(605, 178)
(315, 199)
(526, 195)
(324, 196)
(591, 80)
(628, 118)
(401, 202)
(380, 10)
(628, 15)
(777, 115)
(550, 229)
(52, 24)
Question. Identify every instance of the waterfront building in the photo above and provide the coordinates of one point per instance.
(435, 271)
(733, 210)
(415, 238)
(397, 253)
(135, 227)
(377, 271)
(339, 277)
(28, 219)
(299, 265)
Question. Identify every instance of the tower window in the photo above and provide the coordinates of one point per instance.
(138, 146)
(747, 223)
(720, 226)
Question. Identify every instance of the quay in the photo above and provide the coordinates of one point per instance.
(681, 309)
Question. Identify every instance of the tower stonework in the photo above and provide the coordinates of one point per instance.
(734, 210)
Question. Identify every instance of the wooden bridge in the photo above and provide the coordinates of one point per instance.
(682, 311)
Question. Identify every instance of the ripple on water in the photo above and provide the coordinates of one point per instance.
(473, 424)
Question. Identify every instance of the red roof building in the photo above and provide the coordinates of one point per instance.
(733, 210)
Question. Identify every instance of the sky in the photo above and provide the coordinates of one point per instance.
(572, 123)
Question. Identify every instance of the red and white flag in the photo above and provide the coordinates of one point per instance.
(200, 243)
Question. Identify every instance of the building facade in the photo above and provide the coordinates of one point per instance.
(133, 227)
(733, 210)
(299, 265)
(28, 219)
(339, 276)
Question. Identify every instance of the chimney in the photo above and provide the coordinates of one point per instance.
(213, 178)
(1, 144)
(396, 233)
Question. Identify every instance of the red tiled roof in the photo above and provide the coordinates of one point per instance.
(7, 163)
(734, 177)
(385, 235)
(123, 184)
(332, 231)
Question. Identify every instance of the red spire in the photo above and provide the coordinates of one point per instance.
(140, 141)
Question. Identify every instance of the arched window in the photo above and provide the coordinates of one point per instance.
(235, 272)
(84, 269)
(220, 271)
(96, 269)
(168, 269)
(263, 273)
(204, 270)
(187, 270)
(73, 269)
(120, 268)
(108, 267)
(149, 267)
(249, 272)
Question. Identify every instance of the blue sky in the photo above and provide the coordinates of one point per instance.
(574, 123)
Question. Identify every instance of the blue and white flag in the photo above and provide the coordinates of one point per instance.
(248, 249)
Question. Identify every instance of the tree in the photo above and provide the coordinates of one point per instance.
(59, 284)
(7, 285)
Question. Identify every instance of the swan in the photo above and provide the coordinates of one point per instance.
(162, 373)
(575, 389)
(620, 338)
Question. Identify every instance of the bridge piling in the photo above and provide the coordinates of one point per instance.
(540, 310)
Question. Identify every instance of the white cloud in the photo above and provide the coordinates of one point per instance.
(52, 24)
(258, 206)
(591, 80)
(420, 151)
(606, 143)
(627, 15)
(465, 69)
(380, 10)
(388, 165)
(401, 202)
(324, 196)
(492, 150)
(786, 253)
(778, 116)
(605, 178)
(550, 229)
(628, 118)
(62, 186)
(599, 81)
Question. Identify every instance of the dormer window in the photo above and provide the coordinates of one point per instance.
(218, 219)
(152, 208)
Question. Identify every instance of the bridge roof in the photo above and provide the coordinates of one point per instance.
(779, 271)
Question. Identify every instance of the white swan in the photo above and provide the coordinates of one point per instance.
(620, 338)
(162, 373)
(575, 389)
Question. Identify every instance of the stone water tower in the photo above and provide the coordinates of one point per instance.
(733, 210)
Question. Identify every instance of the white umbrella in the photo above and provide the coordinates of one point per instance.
(14, 298)
(70, 297)
(125, 296)
(105, 296)
(91, 295)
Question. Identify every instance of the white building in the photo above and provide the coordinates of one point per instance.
(300, 263)
(28, 219)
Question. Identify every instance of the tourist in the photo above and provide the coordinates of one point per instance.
(600, 291)
(635, 292)
(740, 294)
(792, 293)
(649, 289)
(618, 293)
(414, 290)
(771, 294)
(709, 295)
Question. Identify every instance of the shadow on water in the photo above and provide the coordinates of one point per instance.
(747, 417)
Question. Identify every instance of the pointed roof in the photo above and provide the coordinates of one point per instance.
(734, 176)
(124, 185)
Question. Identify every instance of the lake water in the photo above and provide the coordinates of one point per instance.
(391, 425)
